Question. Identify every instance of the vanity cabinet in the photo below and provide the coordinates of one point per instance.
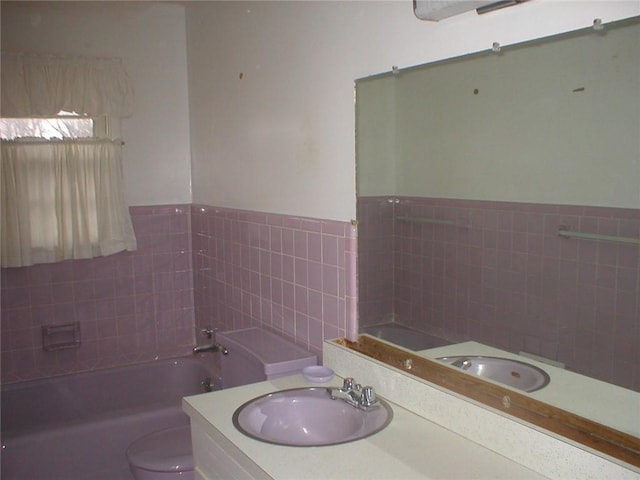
(216, 458)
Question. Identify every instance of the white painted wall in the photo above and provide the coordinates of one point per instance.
(281, 138)
(509, 127)
(151, 40)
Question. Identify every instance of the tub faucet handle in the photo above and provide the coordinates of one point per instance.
(209, 331)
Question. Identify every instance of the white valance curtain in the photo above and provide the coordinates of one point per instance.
(43, 85)
(63, 199)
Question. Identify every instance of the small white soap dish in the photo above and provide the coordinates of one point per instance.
(317, 373)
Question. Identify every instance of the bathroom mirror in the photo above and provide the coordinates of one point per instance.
(499, 203)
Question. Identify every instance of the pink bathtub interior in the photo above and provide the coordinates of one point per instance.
(78, 427)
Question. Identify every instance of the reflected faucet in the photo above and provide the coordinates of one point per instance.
(463, 363)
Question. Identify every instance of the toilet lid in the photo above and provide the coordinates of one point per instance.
(163, 451)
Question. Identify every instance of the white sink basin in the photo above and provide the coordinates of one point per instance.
(305, 417)
(513, 373)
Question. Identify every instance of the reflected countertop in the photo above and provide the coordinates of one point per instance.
(602, 402)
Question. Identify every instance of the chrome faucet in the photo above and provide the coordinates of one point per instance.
(463, 363)
(211, 347)
(354, 394)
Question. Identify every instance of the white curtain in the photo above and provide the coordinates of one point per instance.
(43, 85)
(62, 200)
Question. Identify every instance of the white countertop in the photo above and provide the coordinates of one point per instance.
(602, 402)
(411, 447)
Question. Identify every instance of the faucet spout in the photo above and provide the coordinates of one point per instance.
(339, 394)
(212, 347)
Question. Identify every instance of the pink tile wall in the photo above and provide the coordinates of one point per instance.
(132, 306)
(293, 275)
(502, 276)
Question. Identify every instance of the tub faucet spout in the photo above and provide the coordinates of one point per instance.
(211, 347)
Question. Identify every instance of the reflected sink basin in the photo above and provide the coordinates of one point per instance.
(305, 417)
(513, 373)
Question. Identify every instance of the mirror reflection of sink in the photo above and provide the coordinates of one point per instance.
(513, 373)
(308, 417)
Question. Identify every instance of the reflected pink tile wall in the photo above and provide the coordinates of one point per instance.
(132, 306)
(293, 275)
(504, 277)
(375, 260)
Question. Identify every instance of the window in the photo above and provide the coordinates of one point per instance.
(64, 125)
(62, 175)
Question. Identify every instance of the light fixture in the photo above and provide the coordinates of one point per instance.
(440, 9)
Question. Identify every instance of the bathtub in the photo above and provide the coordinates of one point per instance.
(78, 427)
(404, 336)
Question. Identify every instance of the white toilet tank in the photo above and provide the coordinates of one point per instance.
(255, 354)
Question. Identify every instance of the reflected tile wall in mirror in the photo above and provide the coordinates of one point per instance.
(502, 276)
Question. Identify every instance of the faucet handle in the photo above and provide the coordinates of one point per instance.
(348, 383)
(368, 396)
(208, 331)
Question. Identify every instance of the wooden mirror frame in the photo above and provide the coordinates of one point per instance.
(593, 435)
